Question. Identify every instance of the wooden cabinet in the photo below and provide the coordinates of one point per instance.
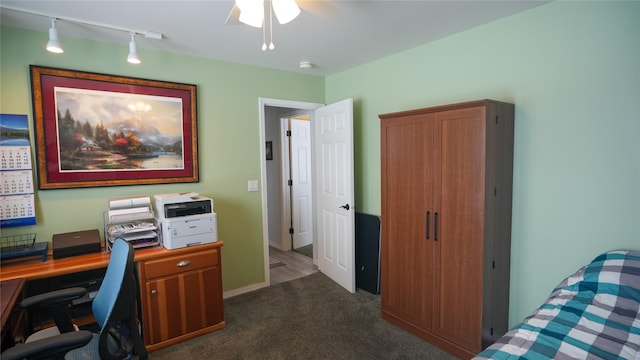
(446, 222)
(181, 295)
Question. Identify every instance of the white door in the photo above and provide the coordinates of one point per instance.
(334, 198)
(301, 183)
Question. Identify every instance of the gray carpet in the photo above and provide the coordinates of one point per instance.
(307, 318)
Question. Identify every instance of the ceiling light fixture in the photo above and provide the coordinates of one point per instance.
(133, 51)
(53, 45)
(252, 13)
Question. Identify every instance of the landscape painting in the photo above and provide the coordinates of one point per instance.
(104, 130)
(100, 130)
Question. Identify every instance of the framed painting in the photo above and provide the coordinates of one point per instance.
(106, 130)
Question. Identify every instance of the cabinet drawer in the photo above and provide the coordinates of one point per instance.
(180, 263)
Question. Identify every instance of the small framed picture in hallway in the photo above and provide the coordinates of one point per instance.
(269, 150)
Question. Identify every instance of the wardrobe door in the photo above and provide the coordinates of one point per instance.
(459, 250)
(407, 185)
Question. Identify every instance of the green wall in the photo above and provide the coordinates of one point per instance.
(572, 69)
(228, 137)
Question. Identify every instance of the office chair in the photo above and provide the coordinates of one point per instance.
(114, 308)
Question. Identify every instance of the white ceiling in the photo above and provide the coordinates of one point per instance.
(334, 35)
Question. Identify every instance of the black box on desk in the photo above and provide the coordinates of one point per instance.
(76, 243)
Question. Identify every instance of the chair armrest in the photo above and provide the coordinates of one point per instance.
(57, 303)
(53, 298)
(49, 347)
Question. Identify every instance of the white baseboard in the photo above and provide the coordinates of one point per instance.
(244, 290)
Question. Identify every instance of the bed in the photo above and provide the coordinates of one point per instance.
(592, 314)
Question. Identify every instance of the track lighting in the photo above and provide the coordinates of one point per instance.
(53, 45)
(133, 52)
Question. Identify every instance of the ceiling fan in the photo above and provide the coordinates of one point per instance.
(252, 13)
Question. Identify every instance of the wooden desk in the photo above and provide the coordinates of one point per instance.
(10, 294)
(168, 317)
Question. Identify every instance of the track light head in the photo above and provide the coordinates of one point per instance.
(53, 45)
(133, 51)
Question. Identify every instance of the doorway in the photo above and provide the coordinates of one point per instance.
(333, 208)
(281, 205)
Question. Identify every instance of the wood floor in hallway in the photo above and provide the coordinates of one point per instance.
(295, 265)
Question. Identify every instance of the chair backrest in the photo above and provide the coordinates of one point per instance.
(118, 271)
(114, 306)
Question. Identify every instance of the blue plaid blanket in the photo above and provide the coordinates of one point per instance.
(592, 314)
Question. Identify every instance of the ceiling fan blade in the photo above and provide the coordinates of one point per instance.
(323, 9)
(285, 10)
(234, 16)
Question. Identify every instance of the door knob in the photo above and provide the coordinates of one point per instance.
(345, 206)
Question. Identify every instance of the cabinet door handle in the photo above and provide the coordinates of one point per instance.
(435, 226)
(184, 263)
(427, 225)
(154, 291)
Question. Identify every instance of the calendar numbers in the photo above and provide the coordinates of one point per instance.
(15, 158)
(16, 207)
(16, 182)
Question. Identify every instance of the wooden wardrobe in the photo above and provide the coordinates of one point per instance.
(446, 222)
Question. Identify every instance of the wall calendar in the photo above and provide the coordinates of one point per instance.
(17, 207)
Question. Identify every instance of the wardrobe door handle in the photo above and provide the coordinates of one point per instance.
(427, 225)
(435, 226)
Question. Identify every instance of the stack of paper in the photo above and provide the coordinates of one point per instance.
(121, 210)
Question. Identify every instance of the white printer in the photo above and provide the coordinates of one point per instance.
(186, 219)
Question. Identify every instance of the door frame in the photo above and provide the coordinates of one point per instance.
(263, 103)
